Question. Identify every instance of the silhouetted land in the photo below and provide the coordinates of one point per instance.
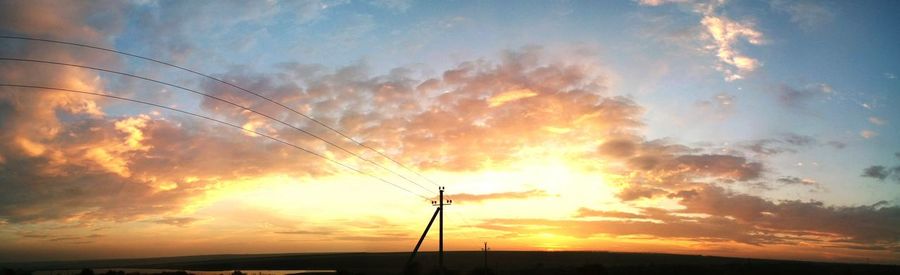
(500, 262)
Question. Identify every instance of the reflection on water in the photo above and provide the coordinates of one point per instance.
(148, 271)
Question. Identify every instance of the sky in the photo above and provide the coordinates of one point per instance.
(763, 129)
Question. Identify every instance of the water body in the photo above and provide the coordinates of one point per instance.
(148, 271)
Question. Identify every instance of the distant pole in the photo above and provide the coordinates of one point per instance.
(485, 255)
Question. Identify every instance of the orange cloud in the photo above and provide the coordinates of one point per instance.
(512, 95)
(476, 198)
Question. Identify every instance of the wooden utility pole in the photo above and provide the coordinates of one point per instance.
(439, 211)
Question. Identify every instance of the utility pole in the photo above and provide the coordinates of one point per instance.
(440, 205)
(439, 211)
(485, 249)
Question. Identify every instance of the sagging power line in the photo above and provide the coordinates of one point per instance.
(218, 121)
(221, 100)
(345, 136)
(229, 84)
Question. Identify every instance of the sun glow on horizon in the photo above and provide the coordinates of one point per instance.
(688, 126)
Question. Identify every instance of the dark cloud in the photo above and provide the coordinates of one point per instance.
(785, 143)
(837, 144)
(798, 140)
(881, 172)
(634, 192)
(618, 148)
(799, 97)
(729, 216)
(815, 186)
(796, 180)
(876, 171)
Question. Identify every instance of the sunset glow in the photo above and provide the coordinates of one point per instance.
(764, 129)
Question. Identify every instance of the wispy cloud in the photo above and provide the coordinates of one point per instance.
(868, 134)
(476, 198)
(882, 172)
(724, 35)
(177, 221)
(808, 15)
(877, 120)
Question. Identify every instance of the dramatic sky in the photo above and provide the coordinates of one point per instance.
(736, 128)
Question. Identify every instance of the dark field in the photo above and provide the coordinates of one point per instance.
(499, 262)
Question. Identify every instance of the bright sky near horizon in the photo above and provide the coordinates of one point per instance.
(764, 129)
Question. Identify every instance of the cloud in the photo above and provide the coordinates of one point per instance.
(505, 97)
(712, 214)
(867, 134)
(659, 2)
(882, 172)
(651, 169)
(138, 167)
(80, 160)
(483, 108)
(477, 198)
(877, 120)
(807, 14)
(796, 180)
(786, 143)
(724, 36)
(304, 232)
(47, 19)
(677, 161)
(798, 97)
(837, 144)
(720, 105)
(394, 5)
(177, 221)
(877, 171)
(59, 239)
(634, 192)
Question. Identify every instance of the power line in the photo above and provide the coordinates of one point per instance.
(219, 99)
(226, 83)
(244, 90)
(219, 121)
